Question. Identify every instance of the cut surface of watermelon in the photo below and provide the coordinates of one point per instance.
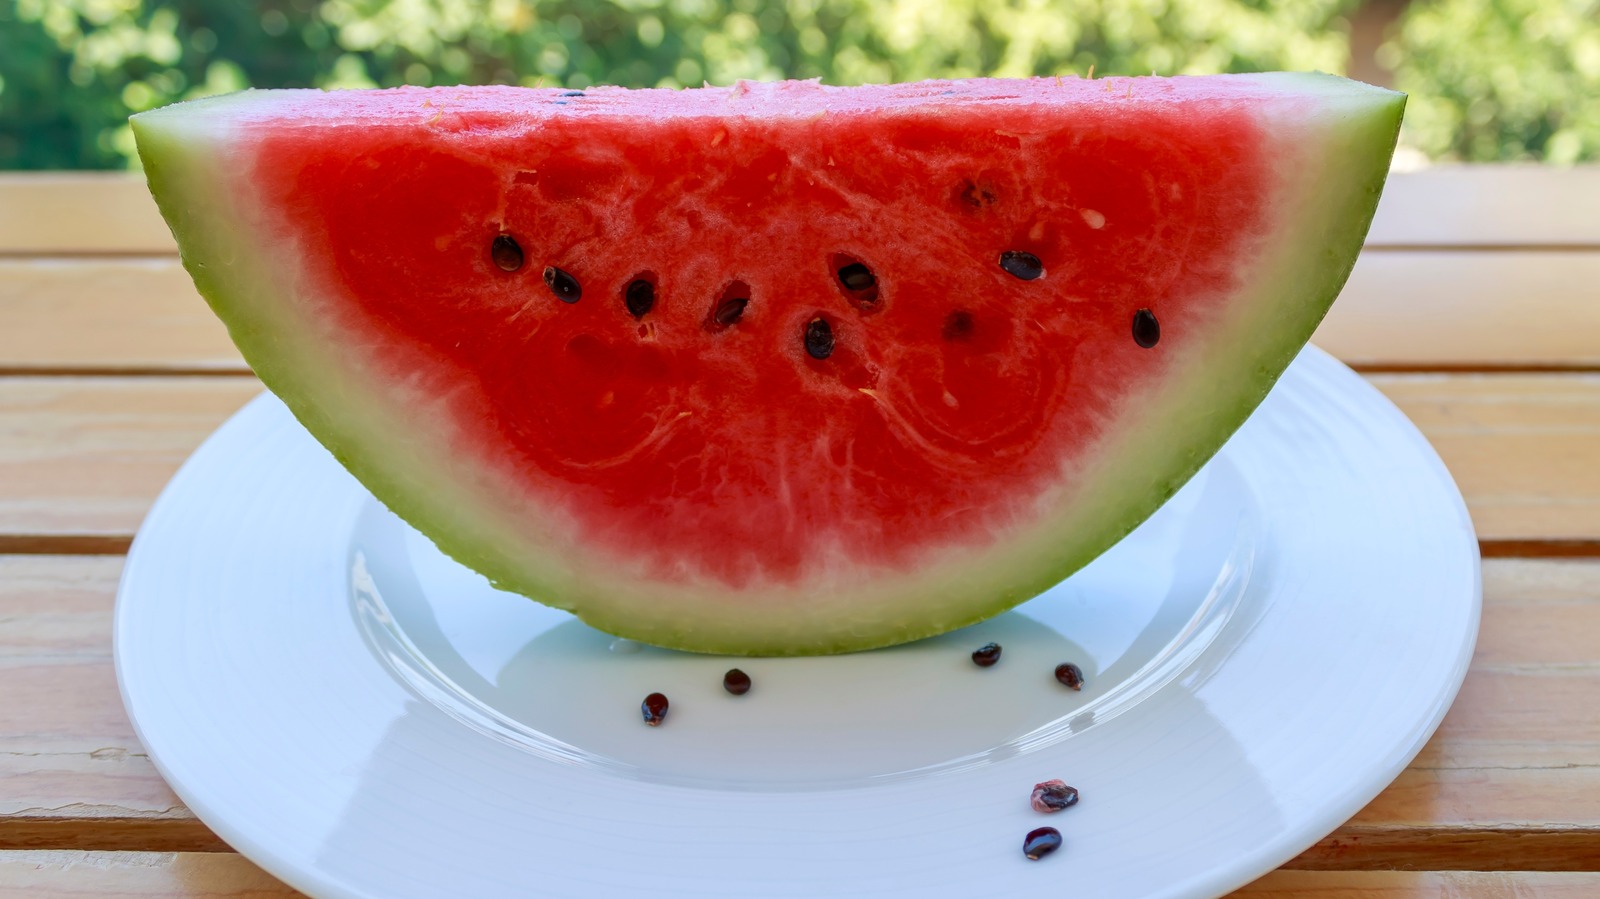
(776, 368)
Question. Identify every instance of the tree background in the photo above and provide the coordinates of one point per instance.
(1490, 79)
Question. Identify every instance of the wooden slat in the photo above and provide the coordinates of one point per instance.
(1418, 310)
(1522, 448)
(1421, 885)
(1399, 310)
(82, 456)
(72, 774)
(86, 456)
(1512, 779)
(107, 315)
(79, 213)
(136, 875)
(1490, 206)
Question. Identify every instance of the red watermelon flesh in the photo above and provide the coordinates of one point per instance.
(776, 368)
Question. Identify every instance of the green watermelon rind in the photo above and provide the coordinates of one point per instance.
(1332, 171)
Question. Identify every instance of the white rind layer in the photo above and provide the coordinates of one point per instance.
(1332, 153)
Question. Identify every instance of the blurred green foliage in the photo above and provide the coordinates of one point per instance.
(71, 71)
(1501, 79)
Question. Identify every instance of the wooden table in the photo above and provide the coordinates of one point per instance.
(1476, 308)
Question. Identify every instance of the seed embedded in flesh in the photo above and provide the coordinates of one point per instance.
(654, 709)
(736, 682)
(1052, 796)
(1146, 330)
(573, 94)
(640, 297)
(563, 285)
(958, 325)
(1040, 843)
(506, 253)
(856, 276)
(986, 655)
(1021, 264)
(1070, 675)
(977, 196)
(728, 311)
(819, 338)
(857, 282)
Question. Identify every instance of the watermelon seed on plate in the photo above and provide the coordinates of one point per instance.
(819, 338)
(506, 253)
(563, 285)
(736, 682)
(986, 655)
(1146, 330)
(640, 297)
(958, 325)
(1040, 843)
(1053, 796)
(654, 709)
(1070, 675)
(1021, 264)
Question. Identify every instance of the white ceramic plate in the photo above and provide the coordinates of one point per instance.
(363, 717)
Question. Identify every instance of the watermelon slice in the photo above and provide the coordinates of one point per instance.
(776, 368)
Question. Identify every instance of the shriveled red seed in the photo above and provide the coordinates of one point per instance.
(1070, 675)
(1052, 796)
(1040, 843)
(736, 682)
(986, 655)
(506, 253)
(654, 709)
(1146, 330)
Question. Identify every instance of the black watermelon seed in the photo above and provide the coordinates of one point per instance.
(654, 709)
(857, 282)
(986, 655)
(728, 311)
(1070, 675)
(1146, 330)
(736, 682)
(640, 297)
(1053, 796)
(958, 325)
(1022, 265)
(573, 94)
(856, 276)
(506, 253)
(819, 338)
(563, 285)
(1040, 843)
